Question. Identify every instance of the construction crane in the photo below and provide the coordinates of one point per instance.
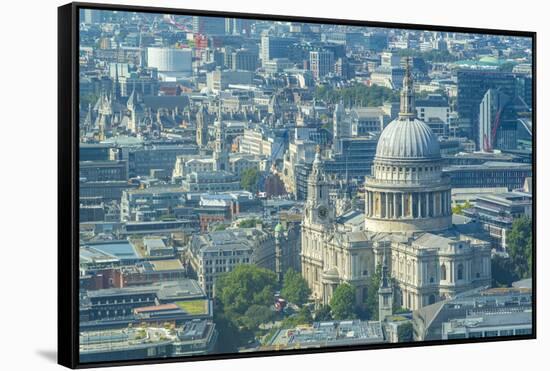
(488, 144)
(170, 19)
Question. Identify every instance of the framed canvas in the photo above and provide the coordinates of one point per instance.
(241, 185)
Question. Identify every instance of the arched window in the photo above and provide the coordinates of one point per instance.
(460, 271)
(431, 299)
(443, 272)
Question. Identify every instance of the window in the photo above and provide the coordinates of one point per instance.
(460, 272)
(443, 272)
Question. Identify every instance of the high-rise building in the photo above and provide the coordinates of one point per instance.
(274, 47)
(321, 63)
(209, 25)
(490, 111)
(244, 60)
(90, 16)
(472, 86)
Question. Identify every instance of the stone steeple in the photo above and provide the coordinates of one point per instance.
(385, 293)
(407, 107)
(221, 157)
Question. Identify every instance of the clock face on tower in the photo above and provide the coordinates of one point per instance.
(322, 212)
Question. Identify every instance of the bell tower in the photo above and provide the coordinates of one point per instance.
(221, 159)
(318, 208)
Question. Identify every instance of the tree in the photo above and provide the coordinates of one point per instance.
(245, 286)
(405, 332)
(303, 317)
(430, 56)
(343, 302)
(356, 95)
(249, 179)
(502, 271)
(459, 208)
(371, 302)
(255, 315)
(295, 288)
(243, 298)
(520, 246)
(230, 337)
(219, 227)
(249, 223)
(323, 314)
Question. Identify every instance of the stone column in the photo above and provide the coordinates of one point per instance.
(427, 200)
(402, 205)
(394, 199)
(367, 209)
(387, 205)
(419, 204)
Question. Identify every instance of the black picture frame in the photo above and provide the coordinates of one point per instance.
(68, 212)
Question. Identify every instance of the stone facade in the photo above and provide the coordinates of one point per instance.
(407, 220)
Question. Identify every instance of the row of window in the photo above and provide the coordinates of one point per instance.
(413, 169)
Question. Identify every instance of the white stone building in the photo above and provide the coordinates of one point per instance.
(407, 218)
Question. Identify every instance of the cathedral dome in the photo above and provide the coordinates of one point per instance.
(407, 138)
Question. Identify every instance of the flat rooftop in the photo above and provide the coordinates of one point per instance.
(333, 333)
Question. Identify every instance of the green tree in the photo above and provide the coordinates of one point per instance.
(405, 332)
(343, 302)
(519, 246)
(371, 302)
(502, 271)
(249, 179)
(295, 288)
(249, 223)
(459, 208)
(219, 227)
(436, 56)
(230, 337)
(243, 287)
(242, 297)
(303, 317)
(323, 313)
(255, 315)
